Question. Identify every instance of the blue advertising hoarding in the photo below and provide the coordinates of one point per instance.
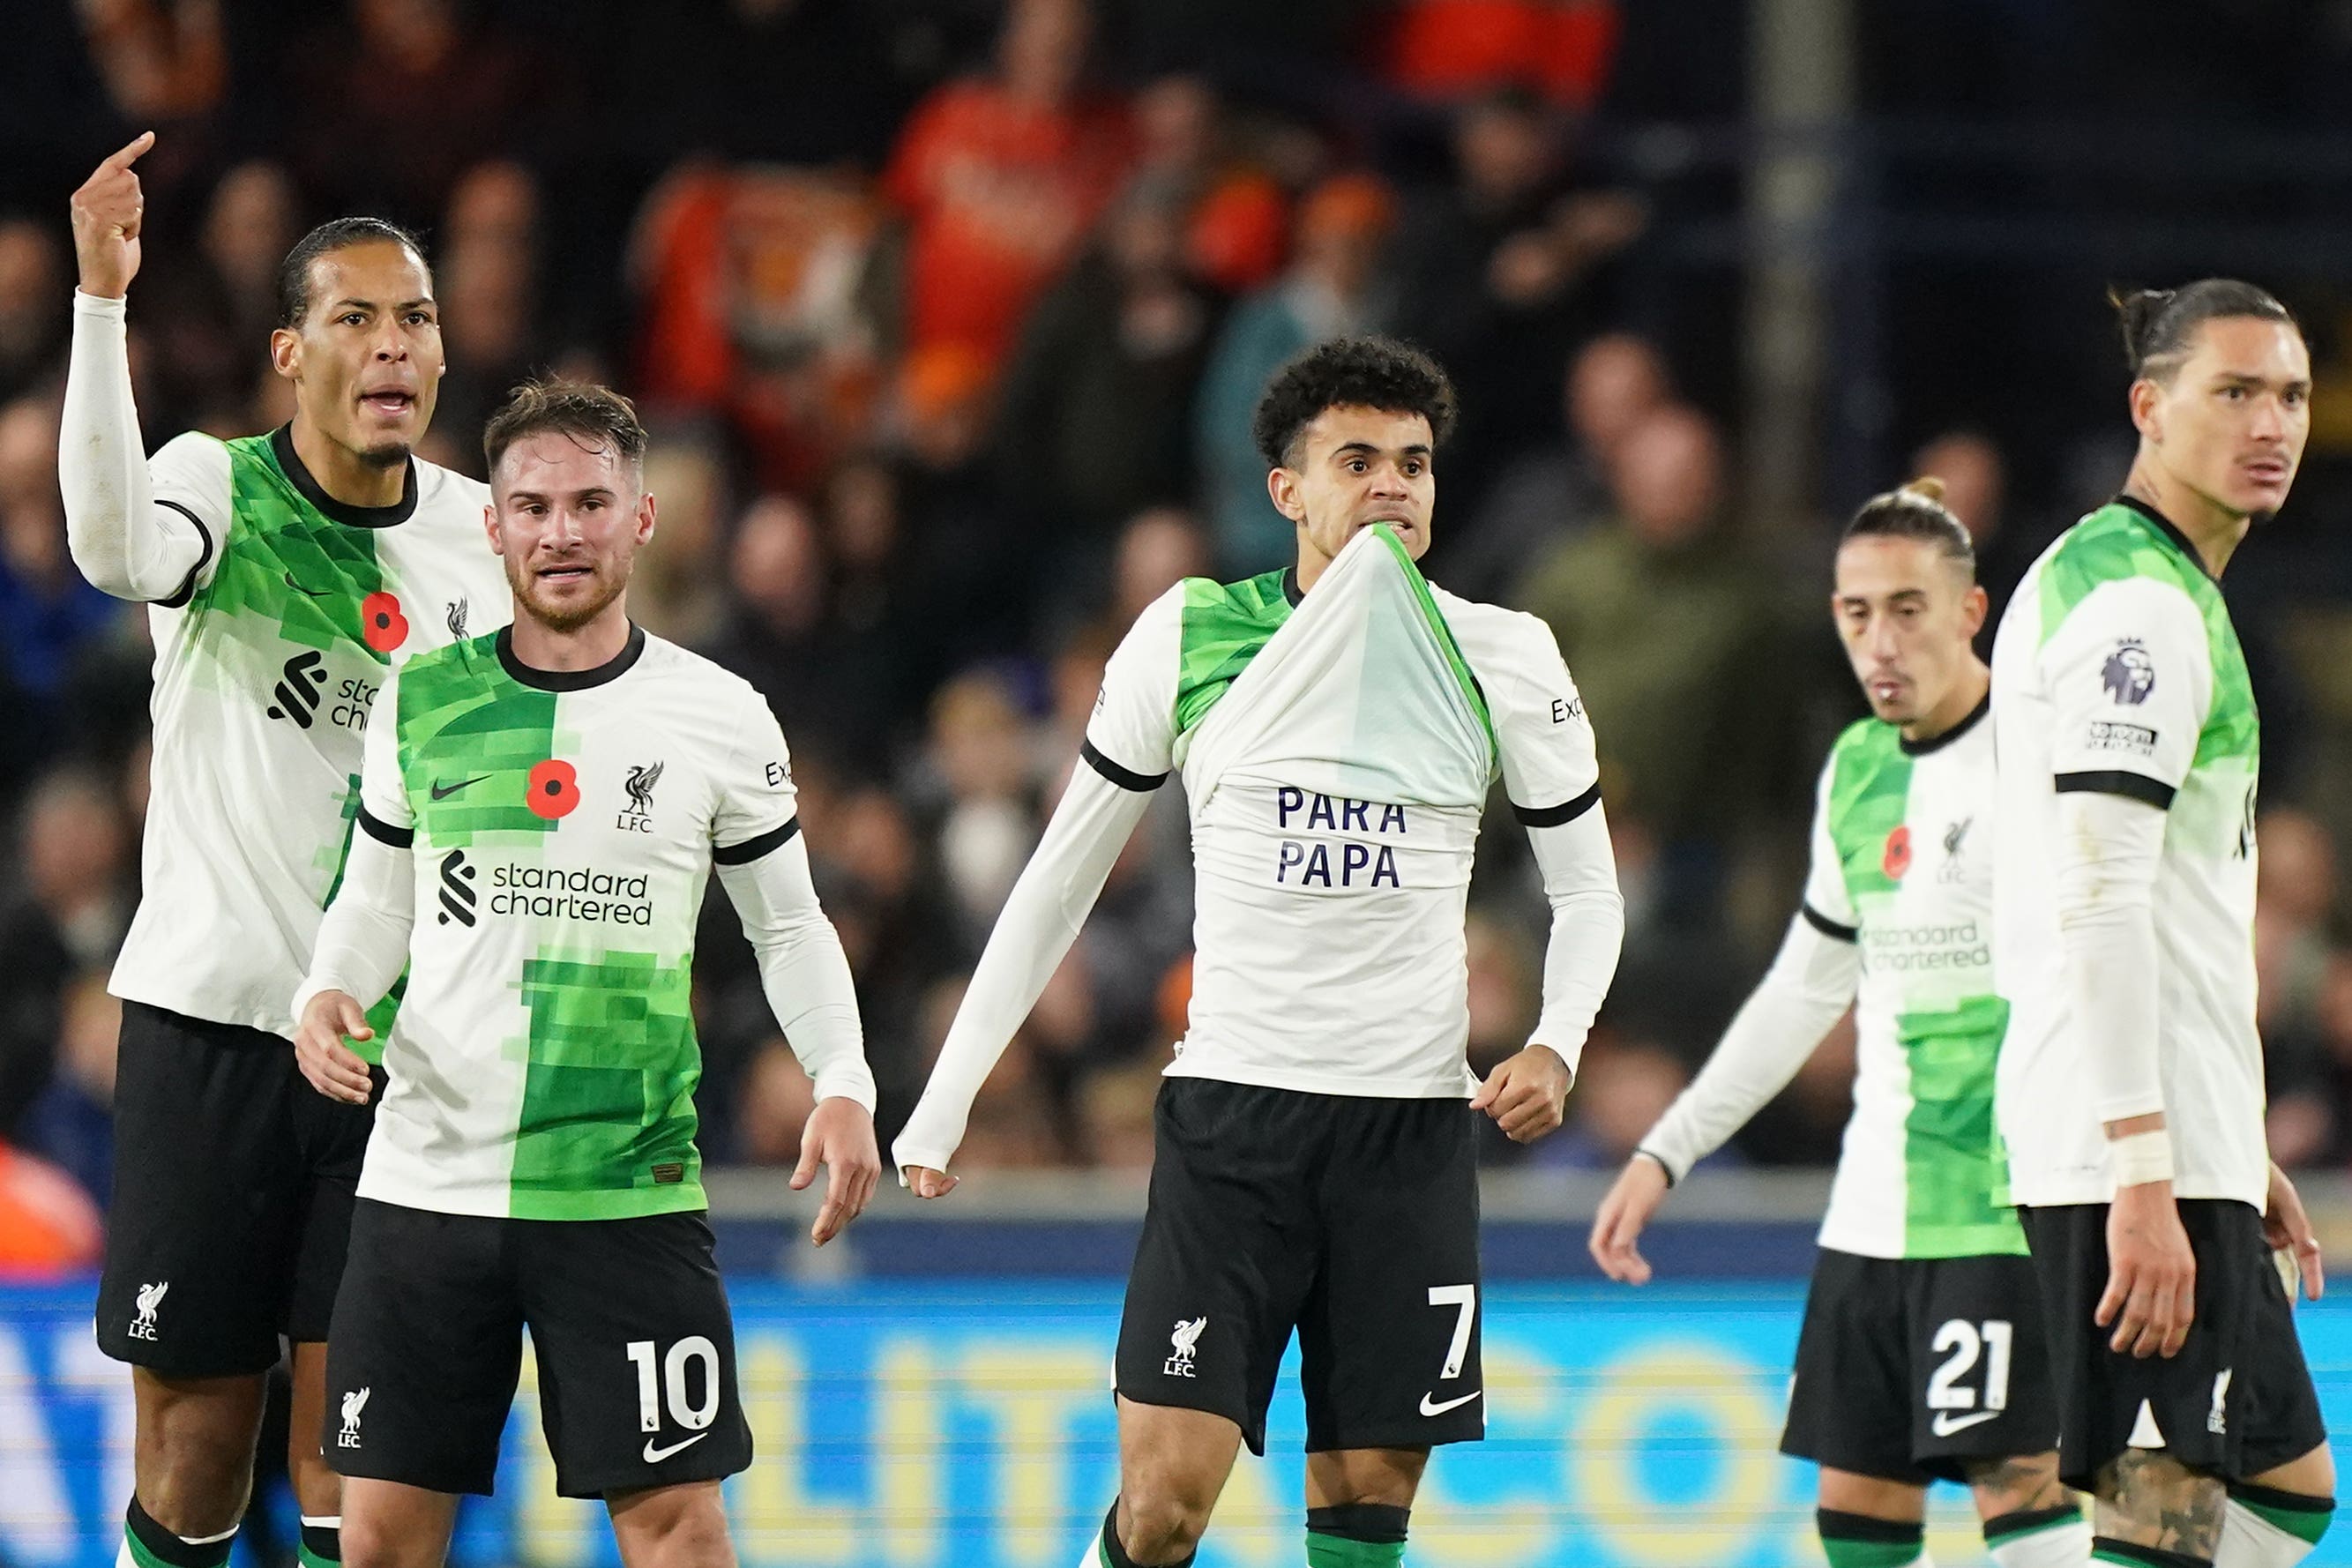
(917, 1425)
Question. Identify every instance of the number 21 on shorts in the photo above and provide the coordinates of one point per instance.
(673, 1367)
(1966, 1343)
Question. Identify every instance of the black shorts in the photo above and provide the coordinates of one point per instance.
(1909, 1369)
(627, 1319)
(1353, 1220)
(233, 1184)
(2238, 1399)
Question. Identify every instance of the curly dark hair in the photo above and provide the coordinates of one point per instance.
(1370, 373)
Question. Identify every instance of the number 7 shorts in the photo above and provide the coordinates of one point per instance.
(629, 1327)
(1351, 1220)
(1911, 1369)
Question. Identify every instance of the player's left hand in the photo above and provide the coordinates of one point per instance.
(2288, 1229)
(840, 1136)
(1527, 1094)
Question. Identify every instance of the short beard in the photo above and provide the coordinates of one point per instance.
(385, 457)
(570, 618)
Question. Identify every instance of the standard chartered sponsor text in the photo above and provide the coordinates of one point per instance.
(1962, 945)
(550, 893)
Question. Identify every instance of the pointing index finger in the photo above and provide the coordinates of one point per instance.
(131, 152)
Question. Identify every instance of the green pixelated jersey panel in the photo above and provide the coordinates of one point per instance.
(2117, 541)
(285, 563)
(607, 1120)
(1952, 1157)
(470, 736)
(1224, 625)
(1870, 791)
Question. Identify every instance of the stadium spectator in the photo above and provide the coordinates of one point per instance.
(1665, 617)
(979, 763)
(1096, 404)
(63, 922)
(46, 611)
(1236, 216)
(1334, 286)
(417, 75)
(1499, 270)
(161, 60)
(32, 326)
(1555, 492)
(1001, 178)
(1452, 49)
(49, 1229)
(1976, 490)
(220, 301)
(487, 278)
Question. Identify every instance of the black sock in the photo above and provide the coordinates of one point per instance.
(1116, 1554)
(323, 1543)
(2107, 1549)
(153, 1546)
(1861, 1541)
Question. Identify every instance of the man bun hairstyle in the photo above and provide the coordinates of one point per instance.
(1916, 512)
(2159, 325)
(336, 234)
(1350, 372)
(594, 417)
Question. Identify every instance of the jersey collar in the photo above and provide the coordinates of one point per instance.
(2163, 524)
(1937, 742)
(611, 670)
(1290, 591)
(281, 447)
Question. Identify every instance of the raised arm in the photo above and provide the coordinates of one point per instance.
(129, 536)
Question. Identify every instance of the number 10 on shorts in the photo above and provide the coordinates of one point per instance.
(683, 1354)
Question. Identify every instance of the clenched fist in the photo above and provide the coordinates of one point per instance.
(107, 213)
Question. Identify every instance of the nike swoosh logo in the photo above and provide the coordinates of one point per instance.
(443, 792)
(313, 593)
(1429, 1409)
(655, 1456)
(1946, 1422)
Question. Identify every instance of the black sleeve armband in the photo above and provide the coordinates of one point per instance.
(1826, 926)
(1126, 778)
(2117, 781)
(750, 850)
(383, 832)
(1554, 816)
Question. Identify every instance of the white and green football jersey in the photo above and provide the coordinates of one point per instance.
(266, 668)
(2117, 671)
(1336, 750)
(1902, 866)
(563, 829)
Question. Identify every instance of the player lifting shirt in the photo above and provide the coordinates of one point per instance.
(1338, 724)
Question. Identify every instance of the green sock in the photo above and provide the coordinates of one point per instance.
(1355, 1536)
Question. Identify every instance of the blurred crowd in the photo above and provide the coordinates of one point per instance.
(949, 318)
